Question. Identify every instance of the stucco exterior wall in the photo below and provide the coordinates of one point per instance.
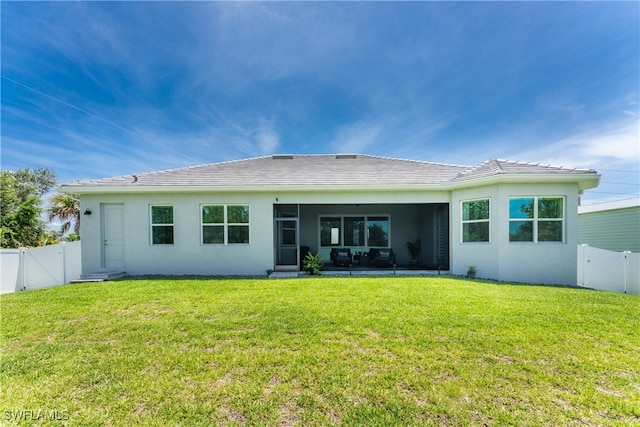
(543, 262)
(552, 263)
(187, 255)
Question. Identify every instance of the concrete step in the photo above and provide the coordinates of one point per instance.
(283, 275)
(101, 276)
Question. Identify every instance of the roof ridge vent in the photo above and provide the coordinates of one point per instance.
(282, 157)
(346, 156)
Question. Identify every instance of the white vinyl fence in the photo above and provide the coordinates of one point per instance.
(608, 270)
(36, 268)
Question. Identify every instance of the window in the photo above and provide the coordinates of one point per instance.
(378, 232)
(238, 224)
(536, 219)
(550, 219)
(225, 224)
(355, 231)
(162, 225)
(212, 224)
(475, 220)
(330, 231)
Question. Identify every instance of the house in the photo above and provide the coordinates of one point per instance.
(513, 221)
(613, 225)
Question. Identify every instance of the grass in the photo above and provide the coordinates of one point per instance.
(318, 351)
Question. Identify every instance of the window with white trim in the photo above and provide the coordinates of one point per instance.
(161, 225)
(225, 224)
(536, 219)
(476, 220)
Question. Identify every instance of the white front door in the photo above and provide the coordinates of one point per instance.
(113, 236)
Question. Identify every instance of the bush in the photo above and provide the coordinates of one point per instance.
(471, 272)
(312, 263)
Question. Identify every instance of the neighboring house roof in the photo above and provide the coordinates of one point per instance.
(610, 205)
(321, 171)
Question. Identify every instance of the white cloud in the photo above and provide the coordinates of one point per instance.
(220, 137)
(355, 138)
(266, 136)
(615, 144)
(613, 151)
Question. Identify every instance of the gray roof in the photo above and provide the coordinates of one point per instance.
(335, 170)
(498, 167)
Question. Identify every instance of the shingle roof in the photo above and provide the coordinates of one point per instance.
(509, 167)
(321, 170)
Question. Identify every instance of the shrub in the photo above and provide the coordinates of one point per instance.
(471, 272)
(312, 263)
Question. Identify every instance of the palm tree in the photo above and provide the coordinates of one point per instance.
(67, 208)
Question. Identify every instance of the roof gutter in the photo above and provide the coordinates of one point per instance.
(585, 180)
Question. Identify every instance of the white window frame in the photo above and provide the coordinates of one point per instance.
(152, 224)
(474, 221)
(536, 220)
(225, 224)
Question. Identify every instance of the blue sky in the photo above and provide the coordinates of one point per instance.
(98, 89)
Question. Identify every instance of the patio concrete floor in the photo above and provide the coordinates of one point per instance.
(360, 272)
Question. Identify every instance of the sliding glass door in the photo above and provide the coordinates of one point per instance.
(354, 231)
(359, 233)
(330, 231)
(378, 232)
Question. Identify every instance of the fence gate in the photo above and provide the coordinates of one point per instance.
(608, 270)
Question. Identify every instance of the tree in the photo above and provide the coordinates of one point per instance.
(71, 237)
(22, 226)
(38, 182)
(66, 207)
(20, 196)
(49, 237)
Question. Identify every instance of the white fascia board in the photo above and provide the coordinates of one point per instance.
(584, 181)
(131, 189)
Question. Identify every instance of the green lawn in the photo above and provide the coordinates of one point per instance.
(352, 351)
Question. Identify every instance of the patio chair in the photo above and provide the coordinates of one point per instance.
(384, 257)
(341, 257)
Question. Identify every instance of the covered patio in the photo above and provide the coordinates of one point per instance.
(360, 230)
